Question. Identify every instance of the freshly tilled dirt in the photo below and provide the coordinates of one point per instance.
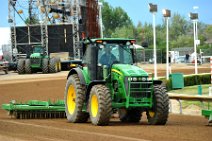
(178, 128)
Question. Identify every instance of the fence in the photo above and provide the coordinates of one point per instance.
(146, 56)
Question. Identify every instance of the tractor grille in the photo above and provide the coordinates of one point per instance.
(35, 61)
(140, 89)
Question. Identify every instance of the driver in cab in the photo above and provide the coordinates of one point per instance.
(107, 58)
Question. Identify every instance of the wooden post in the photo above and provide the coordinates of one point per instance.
(210, 88)
(211, 69)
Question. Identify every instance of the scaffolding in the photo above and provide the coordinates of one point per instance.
(83, 15)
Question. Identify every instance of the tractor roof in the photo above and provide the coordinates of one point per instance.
(110, 40)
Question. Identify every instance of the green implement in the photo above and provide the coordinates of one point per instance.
(34, 109)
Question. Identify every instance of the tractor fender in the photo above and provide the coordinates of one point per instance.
(89, 87)
(77, 71)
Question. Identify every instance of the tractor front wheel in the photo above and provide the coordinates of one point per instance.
(20, 66)
(158, 114)
(74, 100)
(100, 105)
(130, 115)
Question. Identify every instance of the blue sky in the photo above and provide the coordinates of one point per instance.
(138, 9)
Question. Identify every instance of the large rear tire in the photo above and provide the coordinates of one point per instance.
(53, 65)
(45, 65)
(28, 69)
(158, 115)
(100, 105)
(130, 115)
(20, 66)
(74, 100)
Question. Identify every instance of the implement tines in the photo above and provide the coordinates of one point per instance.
(35, 109)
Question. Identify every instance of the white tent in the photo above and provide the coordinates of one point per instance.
(4, 36)
(138, 46)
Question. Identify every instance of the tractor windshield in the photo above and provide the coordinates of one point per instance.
(114, 53)
(38, 50)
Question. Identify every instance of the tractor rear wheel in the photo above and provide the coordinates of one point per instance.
(158, 114)
(100, 105)
(28, 69)
(45, 65)
(74, 100)
(53, 65)
(130, 115)
(20, 66)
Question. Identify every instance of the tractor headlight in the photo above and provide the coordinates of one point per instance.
(144, 78)
(129, 78)
(135, 79)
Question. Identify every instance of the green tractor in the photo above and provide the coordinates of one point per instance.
(107, 82)
(38, 61)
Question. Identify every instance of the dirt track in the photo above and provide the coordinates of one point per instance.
(179, 127)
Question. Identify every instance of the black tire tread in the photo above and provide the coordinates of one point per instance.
(161, 106)
(52, 64)
(28, 69)
(20, 66)
(105, 105)
(79, 116)
(45, 65)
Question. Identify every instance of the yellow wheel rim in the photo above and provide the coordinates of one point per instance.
(59, 66)
(94, 105)
(151, 113)
(56, 68)
(71, 96)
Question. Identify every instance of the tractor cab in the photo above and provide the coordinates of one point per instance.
(37, 51)
(102, 54)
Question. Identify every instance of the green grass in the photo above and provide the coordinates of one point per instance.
(193, 90)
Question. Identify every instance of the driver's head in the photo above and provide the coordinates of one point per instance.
(107, 49)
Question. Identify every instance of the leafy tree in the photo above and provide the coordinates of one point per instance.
(178, 26)
(114, 18)
(123, 32)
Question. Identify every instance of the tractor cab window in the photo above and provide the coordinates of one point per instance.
(37, 50)
(114, 53)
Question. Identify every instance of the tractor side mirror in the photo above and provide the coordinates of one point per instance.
(145, 44)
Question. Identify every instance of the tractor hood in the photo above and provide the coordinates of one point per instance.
(35, 55)
(128, 70)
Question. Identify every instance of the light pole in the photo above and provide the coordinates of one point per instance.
(153, 9)
(194, 18)
(100, 19)
(167, 15)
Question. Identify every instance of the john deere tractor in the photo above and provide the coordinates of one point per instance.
(108, 82)
(38, 61)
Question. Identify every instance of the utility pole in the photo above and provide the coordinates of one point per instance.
(153, 10)
(30, 12)
(167, 15)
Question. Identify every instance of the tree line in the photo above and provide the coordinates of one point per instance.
(117, 23)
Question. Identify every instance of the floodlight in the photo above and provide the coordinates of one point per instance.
(166, 13)
(153, 8)
(193, 16)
